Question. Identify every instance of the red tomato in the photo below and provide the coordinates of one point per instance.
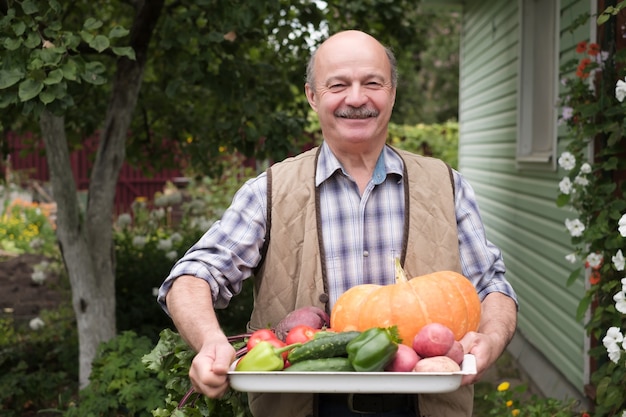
(279, 343)
(259, 335)
(300, 334)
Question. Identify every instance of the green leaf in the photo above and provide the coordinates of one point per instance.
(12, 44)
(92, 73)
(562, 200)
(10, 77)
(126, 51)
(92, 24)
(100, 43)
(582, 308)
(603, 18)
(118, 32)
(51, 56)
(54, 77)
(29, 7)
(29, 89)
(573, 277)
(86, 36)
(46, 97)
(70, 70)
(19, 28)
(7, 100)
(32, 40)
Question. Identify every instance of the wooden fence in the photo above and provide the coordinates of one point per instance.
(26, 160)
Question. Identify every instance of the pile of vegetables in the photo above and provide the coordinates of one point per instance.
(309, 349)
(412, 325)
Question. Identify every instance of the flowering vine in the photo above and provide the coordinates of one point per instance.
(593, 118)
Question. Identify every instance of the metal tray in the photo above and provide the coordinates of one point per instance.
(352, 382)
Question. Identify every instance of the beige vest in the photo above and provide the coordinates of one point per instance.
(293, 273)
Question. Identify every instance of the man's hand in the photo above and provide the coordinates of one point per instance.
(209, 368)
(497, 326)
(483, 349)
(191, 307)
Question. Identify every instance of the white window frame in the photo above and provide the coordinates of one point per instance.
(538, 68)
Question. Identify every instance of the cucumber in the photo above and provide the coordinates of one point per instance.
(337, 364)
(328, 346)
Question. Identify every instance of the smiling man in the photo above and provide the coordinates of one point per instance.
(315, 225)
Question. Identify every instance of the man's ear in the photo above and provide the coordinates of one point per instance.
(310, 96)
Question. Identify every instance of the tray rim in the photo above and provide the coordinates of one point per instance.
(339, 382)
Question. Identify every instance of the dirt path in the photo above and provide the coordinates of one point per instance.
(19, 295)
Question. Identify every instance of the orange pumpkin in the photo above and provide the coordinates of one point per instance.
(444, 297)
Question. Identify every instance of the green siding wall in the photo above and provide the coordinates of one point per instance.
(518, 206)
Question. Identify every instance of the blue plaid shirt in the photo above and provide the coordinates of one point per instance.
(362, 234)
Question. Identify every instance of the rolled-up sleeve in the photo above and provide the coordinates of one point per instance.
(230, 250)
(481, 260)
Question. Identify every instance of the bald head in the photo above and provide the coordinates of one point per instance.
(350, 41)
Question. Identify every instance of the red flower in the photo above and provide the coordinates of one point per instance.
(594, 49)
(582, 66)
(585, 415)
(581, 47)
(594, 278)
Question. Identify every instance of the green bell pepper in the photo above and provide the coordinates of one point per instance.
(264, 356)
(373, 349)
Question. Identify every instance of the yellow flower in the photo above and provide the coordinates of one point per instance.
(509, 403)
(503, 386)
(515, 412)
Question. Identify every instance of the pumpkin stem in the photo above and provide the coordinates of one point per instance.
(400, 273)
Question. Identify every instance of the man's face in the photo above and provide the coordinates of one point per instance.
(353, 94)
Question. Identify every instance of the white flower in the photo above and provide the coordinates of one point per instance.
(565, 185)
(36, 324)
(567, 161)
(613, 335)
(601, 59)
(614, 353)
(571, 258)
(157, 214)
(575, 227)
(620, 302)
(36, 244)
(594, 260)
(624, 412)
(124, 220)
(38, 277)
(611, 342)
(155, 291)
(624, 284)
(581, 180)
(567, 113)
(139, 241)
(176, 237)
(618, 260)
(585, 168)
(171, 255)
(620, 90)
(164, 245)
(622, 226)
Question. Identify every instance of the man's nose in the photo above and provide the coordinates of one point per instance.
(356, 96)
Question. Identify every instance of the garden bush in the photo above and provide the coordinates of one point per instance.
(38, 365)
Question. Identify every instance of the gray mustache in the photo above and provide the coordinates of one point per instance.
(356, 113)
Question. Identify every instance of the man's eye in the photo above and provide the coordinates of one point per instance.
(336, 86)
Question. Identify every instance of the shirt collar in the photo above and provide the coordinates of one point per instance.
(389, 162)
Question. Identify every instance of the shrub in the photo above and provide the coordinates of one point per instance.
(27, 228)
(38, 366)
(437, 140)
(120, 384)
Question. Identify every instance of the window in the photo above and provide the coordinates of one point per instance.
(538, 88)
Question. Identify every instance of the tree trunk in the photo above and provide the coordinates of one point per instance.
(93, 287)
(86, 242)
